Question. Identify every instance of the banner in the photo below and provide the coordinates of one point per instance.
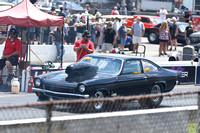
(188, 74)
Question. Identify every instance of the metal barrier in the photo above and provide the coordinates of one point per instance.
(179, 112)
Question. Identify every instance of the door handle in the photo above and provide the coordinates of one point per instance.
(145, 77)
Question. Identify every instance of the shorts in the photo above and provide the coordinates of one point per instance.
(137, 39)
(163, 40)
(122, 41)
(173, 37)
(107, 46)
(12, 59)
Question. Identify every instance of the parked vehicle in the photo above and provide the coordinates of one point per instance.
(190, 52)
(106, 75)
(153, 33)
(70, 5)
(148, 20)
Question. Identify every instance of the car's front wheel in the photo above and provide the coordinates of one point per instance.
(155, 101)
(99, 106)
(153, 37)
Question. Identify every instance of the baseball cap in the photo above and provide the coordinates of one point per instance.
(138, 17)
(173, 18)
(124, 22)
(86, 33)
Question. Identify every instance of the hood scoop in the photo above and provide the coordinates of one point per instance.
(79, 71)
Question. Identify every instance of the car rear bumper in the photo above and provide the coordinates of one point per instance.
(57, 94)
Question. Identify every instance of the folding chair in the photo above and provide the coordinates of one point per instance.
(141, 50)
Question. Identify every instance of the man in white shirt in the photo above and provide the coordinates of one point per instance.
(163, 12)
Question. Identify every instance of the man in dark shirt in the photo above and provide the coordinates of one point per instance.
(173, 33)
(188, 16)
(109, 38)
(71, 31)
(188, 31)
(61, 13)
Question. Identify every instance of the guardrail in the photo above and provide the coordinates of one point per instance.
(179, 112)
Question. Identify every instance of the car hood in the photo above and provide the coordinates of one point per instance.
(195, 34)
(63, 79)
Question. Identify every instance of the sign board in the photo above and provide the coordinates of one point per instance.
(188, 73)
(196, 22)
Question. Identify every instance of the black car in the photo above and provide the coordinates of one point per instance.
(152, 33)
(107, 75)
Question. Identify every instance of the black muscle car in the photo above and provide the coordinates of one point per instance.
(107, 75)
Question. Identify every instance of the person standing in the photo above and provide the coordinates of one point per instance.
(61, 13)
(57, 37)
(93, 31)
(137, 30)
(173, 33)
(122, 35)
(81, 27)
(83, 46)
(11, 53)
(95, 10)
(163, 38)
(188, 31)
(72, 30)
(188, 16)
(114, 9)
(109, 38)
(163, 13)
(133, 12)
(123, 10)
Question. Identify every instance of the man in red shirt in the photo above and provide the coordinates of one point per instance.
(83, 46)
(11, 53)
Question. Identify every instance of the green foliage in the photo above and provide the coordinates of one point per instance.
(192, 128)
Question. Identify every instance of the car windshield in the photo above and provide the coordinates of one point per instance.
(156, 20)
(105, 65)
(182, 27)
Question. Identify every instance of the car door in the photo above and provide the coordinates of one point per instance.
(132, 80)
(152, 72)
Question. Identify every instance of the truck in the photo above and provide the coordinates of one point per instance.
(156, 5)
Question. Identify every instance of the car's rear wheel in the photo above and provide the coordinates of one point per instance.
(153, 37)
(155, 101)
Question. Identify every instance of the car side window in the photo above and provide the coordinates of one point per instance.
(132, 67)
(146, 20)
(149, 67)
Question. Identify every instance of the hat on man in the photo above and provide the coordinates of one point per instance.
(124, 22)
(173, 18)
(109, 23)
(74, 16)
(139, 18)
(86, 33)
(98, 14)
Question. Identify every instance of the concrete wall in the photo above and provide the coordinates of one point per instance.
(162, 120)
(48, 53)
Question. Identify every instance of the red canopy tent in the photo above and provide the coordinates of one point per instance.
(27, 15)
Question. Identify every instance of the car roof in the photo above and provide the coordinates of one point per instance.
(147, 16)
(115, 56)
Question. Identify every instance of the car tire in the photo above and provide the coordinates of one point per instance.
(99, 106)
(172, 59)
(152, 102)
(153, 38)
(131, 47)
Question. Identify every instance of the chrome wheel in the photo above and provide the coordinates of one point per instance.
(152, 37)
(98, 105)
(156, 90)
